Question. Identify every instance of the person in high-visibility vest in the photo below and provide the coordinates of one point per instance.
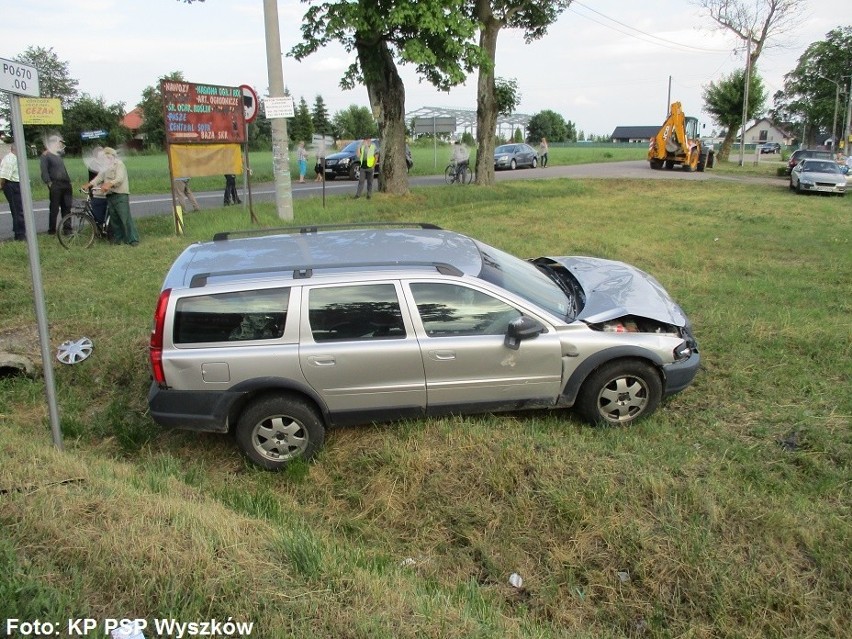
(368, 157)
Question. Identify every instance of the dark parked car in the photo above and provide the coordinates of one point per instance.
(344, 163)
(513, 156)
(802, 154)
(770, 147)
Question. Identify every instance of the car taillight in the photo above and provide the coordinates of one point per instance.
(155, 349)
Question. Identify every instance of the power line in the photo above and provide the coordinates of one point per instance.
(656, 40)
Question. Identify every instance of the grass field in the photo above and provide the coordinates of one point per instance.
(726, 514)
(150, 173)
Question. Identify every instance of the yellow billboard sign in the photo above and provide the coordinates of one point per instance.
(41, 110)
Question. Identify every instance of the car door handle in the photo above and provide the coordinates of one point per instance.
(325, 360)
(442, 356)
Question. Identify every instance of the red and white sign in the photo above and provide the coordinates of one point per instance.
(250, 103)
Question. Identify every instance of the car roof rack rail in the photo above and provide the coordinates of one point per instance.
(316, 228)
(200, 280)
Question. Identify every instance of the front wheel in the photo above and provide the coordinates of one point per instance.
(620, 393)
(277, 429)
(513, 165)
(76, 230)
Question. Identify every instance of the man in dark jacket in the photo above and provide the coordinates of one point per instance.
(55, 175)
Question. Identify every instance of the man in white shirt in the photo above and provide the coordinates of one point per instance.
(10, 182)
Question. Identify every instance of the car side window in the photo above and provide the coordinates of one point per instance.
(231, 317)
(451, 310)
(362, 312)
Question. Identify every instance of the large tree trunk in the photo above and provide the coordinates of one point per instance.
(387, 99)
(727, 143)
(486, 101)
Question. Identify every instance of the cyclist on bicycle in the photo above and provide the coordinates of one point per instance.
(460, 157)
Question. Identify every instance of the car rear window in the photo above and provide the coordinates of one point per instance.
(231, 317)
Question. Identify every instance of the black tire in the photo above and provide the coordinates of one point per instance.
(792, 188)
(77, 230)
(656, 164)
(534, 163)
(620, 393)
(669, 165)
(513, 165)
(468, 175)
(355, 172)
(276, 429)
(450, 174)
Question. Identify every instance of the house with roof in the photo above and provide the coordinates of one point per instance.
(635, 134)
(763, 130)
(133, 121)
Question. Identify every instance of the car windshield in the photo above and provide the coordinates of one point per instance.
(352, 147)
(523, 279)
(506, 148)
(820, 167)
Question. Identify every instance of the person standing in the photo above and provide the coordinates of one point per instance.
(10, 183)
(542, 152)
(184, 194)
(302, 157)
(231, 196)
(114, 182)
(368, 157)
(319, 167)
(55, 175)
(95, 164)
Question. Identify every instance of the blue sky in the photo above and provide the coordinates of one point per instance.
(604, 63)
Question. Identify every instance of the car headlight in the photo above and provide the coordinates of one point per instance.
(344, 162)
(682, 352)
(806, 181)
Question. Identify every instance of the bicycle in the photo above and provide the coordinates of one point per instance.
(79, 229)
(460, 173)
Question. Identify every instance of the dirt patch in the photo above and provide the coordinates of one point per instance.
(20, 353)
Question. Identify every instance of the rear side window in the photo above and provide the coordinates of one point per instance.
(231, 317)
(364, 312)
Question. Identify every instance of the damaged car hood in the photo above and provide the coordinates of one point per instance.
(615, 289)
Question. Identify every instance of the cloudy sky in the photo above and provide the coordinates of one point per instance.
(605, 63)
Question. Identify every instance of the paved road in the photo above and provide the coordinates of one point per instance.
(158, 204)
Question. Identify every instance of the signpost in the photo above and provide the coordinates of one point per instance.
(250, 107)
(202, 115)
(21, 79)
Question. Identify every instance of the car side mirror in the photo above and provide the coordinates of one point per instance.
(520, 329)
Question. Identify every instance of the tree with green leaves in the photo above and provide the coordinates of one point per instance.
(153, 124)
(809, 99)
(433, 35)
(320, 118)
(724, 101)
(301, 127)
(355, 123)
(55, 81)
(88, 113)
(551, 125)
(533, 18)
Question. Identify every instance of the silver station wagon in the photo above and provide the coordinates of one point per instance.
(279, 334)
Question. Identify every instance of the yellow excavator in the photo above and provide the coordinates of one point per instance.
(677, 142)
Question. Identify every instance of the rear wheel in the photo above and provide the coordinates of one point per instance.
(620, 393)
(656, 164)
(468, 174)
(277, 429)
(450, 174)
(76, 230)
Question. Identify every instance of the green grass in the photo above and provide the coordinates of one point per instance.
(727, 514)
(150, 173)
